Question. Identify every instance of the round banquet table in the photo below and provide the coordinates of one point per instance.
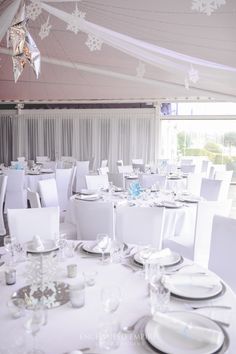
(70, 328)
(31, 180)
(178, 221)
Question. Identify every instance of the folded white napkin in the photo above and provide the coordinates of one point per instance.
(186, 329)
(88, 197)
(37, 243)
(153, 254)
(201, 280)
(103, 243)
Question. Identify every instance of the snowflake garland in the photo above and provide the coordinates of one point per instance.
(74, 25)
(93, 43)
(45, 29)
(193, 75)
(207, 6)
(140, 70)
(34, 9)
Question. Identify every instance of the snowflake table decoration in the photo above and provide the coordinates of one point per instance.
(45, 29)
(93, 43)
(141, 70)
(74, 25)
(207, 6)
(34, 9)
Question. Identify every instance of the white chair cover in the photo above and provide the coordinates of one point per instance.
(48, 192)
(210, 189)
(212, 172)
(139, 166)
(103, 170)
(171, 168)
(97, 182)
(188, 168)
(72, 181)
(226, 177)
(139, 225)
(222, 259)
(194, 182)
(82, 169)
(3, 187)
(104, 163)
(148, 180)
(205, 167)
(41, 159)
(16, 195)
(94, 218)
(119, 163)
(125, 169)
(33, 198)
(117, 179)
(137, 161)
(24, 224)
(21, 159)
(63, 179)
(219, 167)
(186, 161)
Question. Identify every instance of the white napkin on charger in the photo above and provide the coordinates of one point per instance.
(201, 280)
(99, 245)
(37, 243)
(154, 254)
(88, 197)
(186, 329)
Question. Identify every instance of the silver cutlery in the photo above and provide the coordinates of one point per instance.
(130, 328)
(130, 267)
(211, 306)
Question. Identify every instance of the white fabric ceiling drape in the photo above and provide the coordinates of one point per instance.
(111, 134)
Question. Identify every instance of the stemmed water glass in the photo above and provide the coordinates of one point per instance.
(61, 243)
(36, 318)
(103, 241)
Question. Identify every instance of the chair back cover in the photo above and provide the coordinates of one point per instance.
(33, 198)
(97, 182)
(226, 177)
(125, 169)
(139, 225)
(222, 259)
(104, 163)
(94, 218)
(63, 179)
(16, 196)
(3, 188)
(117, 179)
(188, 168)
(41, 159)
(48, 192)
(204, 218)
(194, 182)
(24, 224)
(148, 180)
(137, 161)
(82, 169)
(210, 189)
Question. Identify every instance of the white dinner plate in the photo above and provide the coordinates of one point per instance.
(49, 246)
(172, 259)
(169, 341)
(172, 205)
(190, 199)
(90, 248)
(194, 292)
(87, 191)
(88, 197)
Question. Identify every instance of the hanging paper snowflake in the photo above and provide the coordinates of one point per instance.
(34, 9)
(140, 70)
(74, 24)
(207, 6)
(186, 83)
(93, 43)
(193, 75)
(45, 29)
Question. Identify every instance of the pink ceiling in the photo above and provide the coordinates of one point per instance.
(170, 24)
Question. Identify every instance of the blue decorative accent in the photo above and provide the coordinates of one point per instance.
(135, 190)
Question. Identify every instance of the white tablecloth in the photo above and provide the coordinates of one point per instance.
(178, 221)
(69, 328)
(31, 181)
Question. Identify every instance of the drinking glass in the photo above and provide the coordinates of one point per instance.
(159, 297)
(109, 334)
(90, 277)
(36, 318)
(61, 243)
(103, 241)
(111, 298)
(115, 251)
(8, 242)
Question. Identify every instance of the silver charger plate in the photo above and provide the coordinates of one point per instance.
(49, 246)
(140, 338)
(86, 248)
(54, 295)
(178, 260)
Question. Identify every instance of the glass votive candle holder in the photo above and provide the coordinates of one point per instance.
(16, 307)
(72, 270)
(77, 295)
(10, 276)
(90, 277)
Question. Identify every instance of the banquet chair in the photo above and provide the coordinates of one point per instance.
(148, 180)
(212, 172)
(21, 158)
(139, 225)
(97, 182)
(186, 161)
(72, 182)
(194, 181)
(65, 227)
(210, 189)
(82, 169)
(16, 194)
(3, 187)
(63, 179)
(137, 161)
(188, 168)
(93, 218)
(197, 248)
(103, 170)
(24, 224)
(119, 163)
(125, 169)
(171, 168)
(222, 251)
(226, 177)
(104, 163)
(42, 159)
(139, 166)
(117, 179)
(205, 167)
(48, 192)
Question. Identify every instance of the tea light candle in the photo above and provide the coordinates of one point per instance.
(77, 295)
(72, 270)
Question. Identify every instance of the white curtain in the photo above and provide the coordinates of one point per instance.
(111, 134)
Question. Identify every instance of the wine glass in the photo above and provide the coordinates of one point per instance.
(111, 298)
(8, 242)
(36, 318)
(61, 243)
(103, 241)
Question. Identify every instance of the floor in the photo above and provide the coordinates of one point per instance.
(231, 195)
